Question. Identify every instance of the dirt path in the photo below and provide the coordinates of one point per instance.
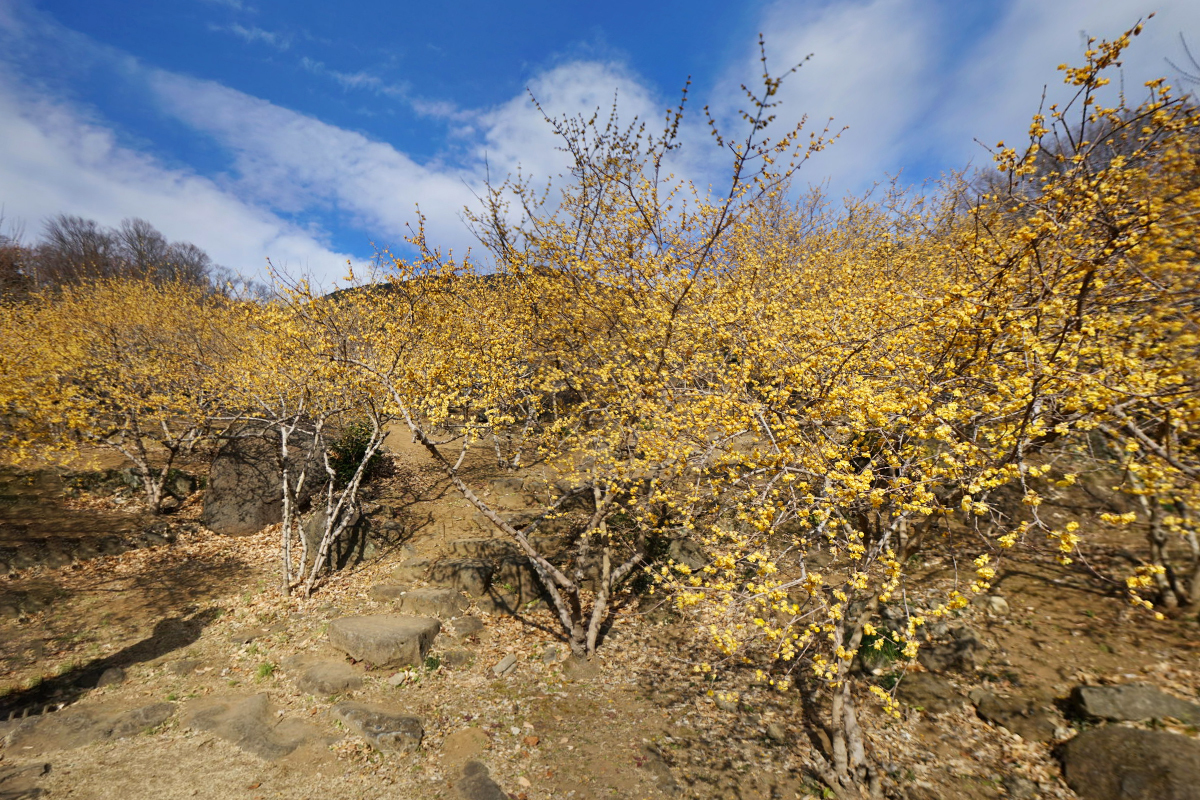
(200, 622)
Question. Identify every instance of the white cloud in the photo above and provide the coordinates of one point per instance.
(252, 34)
(236, 5)
(913, 90)
(998, 89)
(354, 80)
(297, 164)
(515, 133)
(871, 71)
(56, 159)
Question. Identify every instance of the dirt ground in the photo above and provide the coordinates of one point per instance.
(639, 722)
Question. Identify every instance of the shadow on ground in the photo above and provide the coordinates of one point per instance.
(168, 635)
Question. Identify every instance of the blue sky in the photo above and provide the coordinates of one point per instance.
(304, 132)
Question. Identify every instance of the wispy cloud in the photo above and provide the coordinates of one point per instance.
(70, 161)
(236, 5)
(296, 163)
(359, 80)
(362, 80)
(253, 35)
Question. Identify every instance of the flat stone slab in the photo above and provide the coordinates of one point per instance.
(1119, 763)
(385, 640)
(470, 575)
(329, 677)
(386, 592)
(1132, 703)
(433, 602)
(413, 569)
(386, 730)
(66, 730)
(252, 725)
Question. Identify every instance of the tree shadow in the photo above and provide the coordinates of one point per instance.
(168, 635)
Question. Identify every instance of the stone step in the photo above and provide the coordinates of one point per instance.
(385, 640)
(470, 575)
(483, 549)
(440, 602)
(386, 730)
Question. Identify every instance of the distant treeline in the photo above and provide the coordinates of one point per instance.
(73, 250)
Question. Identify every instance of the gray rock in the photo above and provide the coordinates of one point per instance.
(515, 581)
(313, 530)
(329, 677)
(62, 730)
(181, 485)
(384, 640)
(484, 549)
(962, 653)
(1022, 716)
(113, 676)
(510, 484)
(476, 784)
(1118, 763)
(507, 665)
(1132, 703)
(433, 602)
(725, 703)
(930, 692)
(776, 733)
(469, 575)
(385, 730)
(252, 725)
(462, 627)
(386, 592)
(412, 569)
(244, 494)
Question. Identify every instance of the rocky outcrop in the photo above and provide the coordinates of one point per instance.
(934, 694)
(1118, 763)
(244, 494)
(1026, 717)
(1132, 703)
